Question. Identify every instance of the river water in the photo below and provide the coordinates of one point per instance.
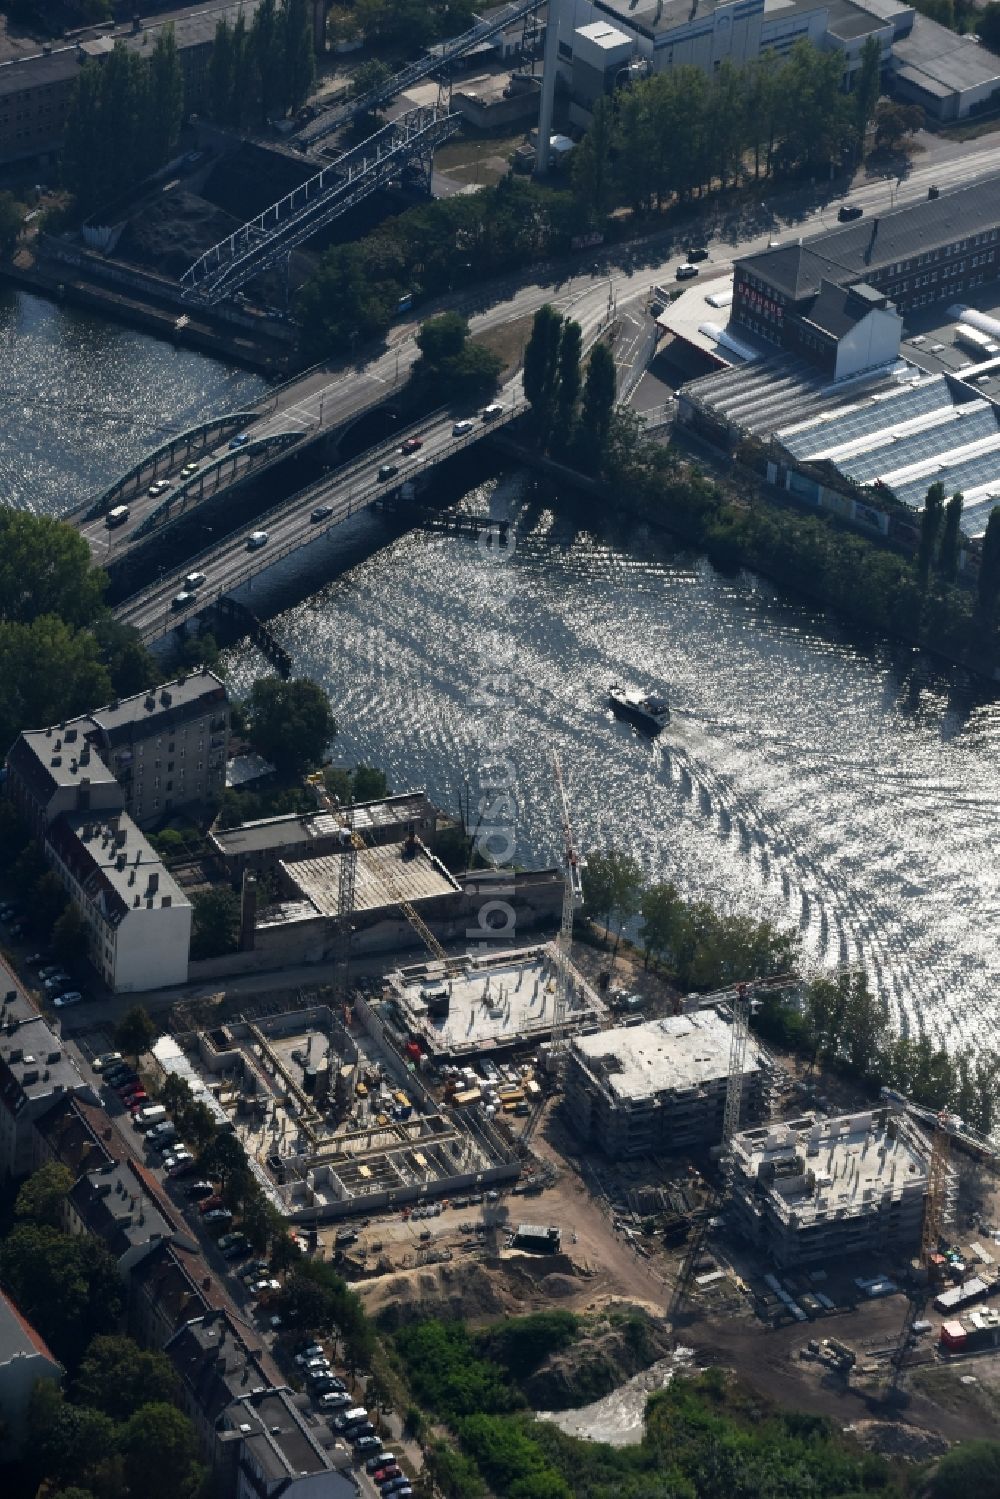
(838, 784)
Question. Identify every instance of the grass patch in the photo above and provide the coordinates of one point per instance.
(944, 1387)
(507, 340)
(478, 162)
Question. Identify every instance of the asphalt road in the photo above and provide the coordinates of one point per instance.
(328, 399)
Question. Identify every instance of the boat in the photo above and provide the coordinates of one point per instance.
(649, 713)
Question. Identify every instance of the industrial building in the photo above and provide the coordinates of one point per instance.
(257, 847)
(473, 1006)
(660, 1086)
(814, 1190)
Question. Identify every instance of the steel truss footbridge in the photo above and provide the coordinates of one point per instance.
(269, 239)
(432, 62)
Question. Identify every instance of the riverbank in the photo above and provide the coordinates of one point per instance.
(810, 554)
(128, 300)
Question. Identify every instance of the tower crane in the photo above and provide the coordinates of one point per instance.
(941, 1126)
(572, 899)
(737, 1059)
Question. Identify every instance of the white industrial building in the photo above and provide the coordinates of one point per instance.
(661, 1086)
(818, 1189)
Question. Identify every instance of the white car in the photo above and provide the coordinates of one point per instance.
(255, 540)
(106, 1060)
(314, 1350)
(317, 1363)
(266, 1283)
(460, 428)
(193, 581)
(158, 487)
(73, 997)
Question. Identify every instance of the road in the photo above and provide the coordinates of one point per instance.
(325, 399)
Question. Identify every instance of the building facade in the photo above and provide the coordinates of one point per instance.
(24, 1359)
(36, 1074)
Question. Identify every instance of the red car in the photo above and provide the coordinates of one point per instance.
(209, 1204)
(137, 1101)
(412, 444)
(128, 1090)
(385, 1474)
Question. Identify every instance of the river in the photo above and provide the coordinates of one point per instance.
(835, 783)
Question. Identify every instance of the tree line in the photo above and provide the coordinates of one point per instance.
(570, 412)
(398, 28)
(124, 121)
(678, 133)
(816, 554)
(697, 945)
(838, 1022)
(262, 71)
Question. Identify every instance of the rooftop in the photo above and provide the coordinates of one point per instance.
(939, 61)
(117, 867)
(215, 1364)
(663, 1056)
(33, 1062)
(18, 1339)
(170, 700)
(54, 757)
(383, 878)
(813, 1169)
(772, 394)
(835, 310)
(281, 1444)
(368, 819)
(858, 249)
(491, 1001)
(115, 1204)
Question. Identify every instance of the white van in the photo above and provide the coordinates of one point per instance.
(155, 1114)
(492, 411)
(117, 516)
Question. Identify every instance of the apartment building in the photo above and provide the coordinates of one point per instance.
(814, 1190)
(163, 750)
(661, 1086)
(36, 1073)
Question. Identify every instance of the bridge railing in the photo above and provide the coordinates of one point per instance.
(148, 465)
(263, 448)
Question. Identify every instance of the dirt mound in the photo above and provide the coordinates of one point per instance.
(247, 181)
(170, 233)
(467, 1291)
(610, 1351)
(892, 1439)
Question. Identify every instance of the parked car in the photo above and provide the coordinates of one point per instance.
(199, 1189)
(56, 982)
(388, 1471)
(256, 540)
(106, 1060)
(71, 997)
(137, 1101)
(311, 1350)
(322, 512)
(686, 272)
(314, 1364)
(253, 1271)
(210, 1204)
(365, 1429)
(411, 445)
(119, 1080)
(128, 1087)
(395, 1484)
(218, 1216)
(383, 1459)
(696, 253)
(176, 1158)
(264, 1285)
(364, 1445)
(232, 1241)
(334, 1400)
(33, 960)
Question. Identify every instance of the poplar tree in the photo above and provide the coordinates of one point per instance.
(951, 538)
(930, 527)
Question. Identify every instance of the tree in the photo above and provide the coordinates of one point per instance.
(160, 1450)
(541, 369)
(660, 907)
(15, 835)
(215, 922)
(895, 125)
(570, 345)
(67, 1444)
(135, 1032)
(972, 1468)
(951, 538)
(165, 107)
(988, 26)
(599, 392)
(11, 219)
(369, 77)
(83, 162)
(930, 529)
(866, 88)
(46, 568)
(290, 723)
(48, 902)
(118, 1377)
(67, 1285)
(69, 935)
(267, 53)
(442, 337)
(612, 887)
(591, 163)
(297, 52)
(989, 566)
(48, 672)
(222, 73)
(223, 1157)
(42, 1197)
(368, 784)
(450, 363)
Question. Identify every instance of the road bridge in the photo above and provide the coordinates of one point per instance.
(268, 240)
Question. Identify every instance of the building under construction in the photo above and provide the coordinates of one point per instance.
(662, 1086)
(814, 1190)
(461, 1008)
